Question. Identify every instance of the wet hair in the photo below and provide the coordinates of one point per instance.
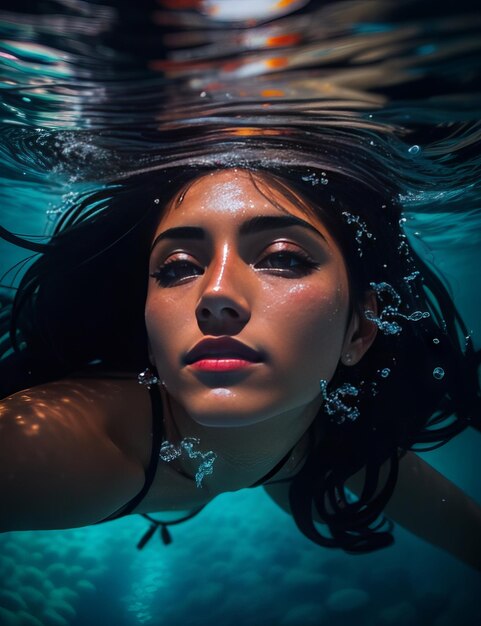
(82, 301)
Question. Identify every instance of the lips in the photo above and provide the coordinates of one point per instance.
(223, 348)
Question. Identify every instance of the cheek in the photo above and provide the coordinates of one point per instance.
(310, 323)
(164, 321)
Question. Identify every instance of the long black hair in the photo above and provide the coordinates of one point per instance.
(82, 302)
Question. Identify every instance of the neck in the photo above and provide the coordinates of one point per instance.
(244, 453)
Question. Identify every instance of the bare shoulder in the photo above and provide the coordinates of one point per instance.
(74, 450)
(119, 406)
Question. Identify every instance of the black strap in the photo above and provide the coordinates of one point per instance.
(164, 532)
(157, 421)
(275, 469)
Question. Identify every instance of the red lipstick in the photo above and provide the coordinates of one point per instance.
(223, 354)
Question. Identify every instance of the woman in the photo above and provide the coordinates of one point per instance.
(292, 337)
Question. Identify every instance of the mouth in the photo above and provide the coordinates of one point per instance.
(221, 355)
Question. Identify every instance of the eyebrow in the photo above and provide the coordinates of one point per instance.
(255, 225)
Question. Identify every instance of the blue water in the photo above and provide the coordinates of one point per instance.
(91, 91)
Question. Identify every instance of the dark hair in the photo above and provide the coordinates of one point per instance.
(83, 301)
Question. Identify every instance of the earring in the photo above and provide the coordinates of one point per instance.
(347, 358)
(148, 378)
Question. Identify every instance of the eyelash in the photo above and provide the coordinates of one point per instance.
(305, 266)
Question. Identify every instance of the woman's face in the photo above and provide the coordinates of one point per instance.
(247, 303)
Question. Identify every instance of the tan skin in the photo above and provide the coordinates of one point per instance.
(230, 277)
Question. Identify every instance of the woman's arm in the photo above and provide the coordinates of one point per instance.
(426, 504)
(432, 507)
(63, 461)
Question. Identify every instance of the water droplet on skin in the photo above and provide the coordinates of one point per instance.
(438, 373)
(413, 150)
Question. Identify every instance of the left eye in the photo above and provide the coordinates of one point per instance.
(288, 262)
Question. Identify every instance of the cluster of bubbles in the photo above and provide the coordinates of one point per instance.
(169, 452)
(334, 404)
(391, 310)
(411, 277)
(315, 180)
(362, 229)
(148, 378)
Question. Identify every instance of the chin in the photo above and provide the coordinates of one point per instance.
(223, 408)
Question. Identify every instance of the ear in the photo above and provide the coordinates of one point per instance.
(360, 333)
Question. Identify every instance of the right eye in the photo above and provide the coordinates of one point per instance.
(176, 271)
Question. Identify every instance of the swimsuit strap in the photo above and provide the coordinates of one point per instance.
(155, 524)
(276, 468)
(157, 421)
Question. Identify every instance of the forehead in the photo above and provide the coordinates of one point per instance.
(227, 196)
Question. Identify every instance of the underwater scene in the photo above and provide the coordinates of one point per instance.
(95, 92)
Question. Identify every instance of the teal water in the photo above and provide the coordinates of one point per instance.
(92, 91)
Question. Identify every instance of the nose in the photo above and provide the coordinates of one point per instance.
(223, 307)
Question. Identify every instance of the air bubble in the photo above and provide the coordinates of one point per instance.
(385, 372)
(391, 310)
(156, 201)
(413, 276)
(361, 231)
(436, 340)
(414, 150)
(334, 405)
(416, 316)
(168, 452)
(438, 373)
(311, 178)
